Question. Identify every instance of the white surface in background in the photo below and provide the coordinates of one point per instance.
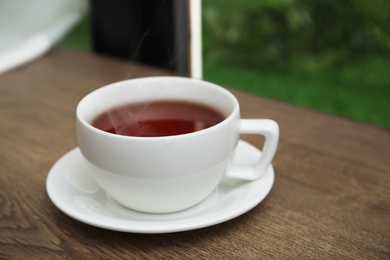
(196, 38)
(29, 28)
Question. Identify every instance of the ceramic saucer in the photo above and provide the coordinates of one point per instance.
(72, 189)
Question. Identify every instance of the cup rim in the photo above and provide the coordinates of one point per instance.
(85, 123)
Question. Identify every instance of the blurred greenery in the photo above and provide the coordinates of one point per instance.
(80, 37)
(328, 55)
(279, 34)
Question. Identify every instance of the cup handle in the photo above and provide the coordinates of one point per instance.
(270, 130)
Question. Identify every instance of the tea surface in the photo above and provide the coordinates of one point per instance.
(158, 118)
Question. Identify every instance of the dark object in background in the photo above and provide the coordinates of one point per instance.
(153, 32)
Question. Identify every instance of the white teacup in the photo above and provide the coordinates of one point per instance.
(169, 173)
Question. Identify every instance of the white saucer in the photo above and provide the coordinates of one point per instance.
(74, 192)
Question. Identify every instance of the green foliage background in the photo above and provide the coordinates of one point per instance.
(312, 34)
(328, 55)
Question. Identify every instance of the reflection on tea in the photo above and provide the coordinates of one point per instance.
(158, 118)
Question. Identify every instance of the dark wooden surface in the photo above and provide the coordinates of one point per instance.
(330, 198)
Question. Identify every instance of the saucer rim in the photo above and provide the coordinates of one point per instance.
(162, 226)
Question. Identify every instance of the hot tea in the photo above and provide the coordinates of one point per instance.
(172, 166)
(158, 118)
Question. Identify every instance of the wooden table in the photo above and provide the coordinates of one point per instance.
(330, 199)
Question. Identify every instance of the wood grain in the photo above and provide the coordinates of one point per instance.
(330, 198)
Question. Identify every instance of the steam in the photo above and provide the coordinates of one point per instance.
(174, 55)
(128, 117)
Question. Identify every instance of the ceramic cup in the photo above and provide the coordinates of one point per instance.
(170, 173)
